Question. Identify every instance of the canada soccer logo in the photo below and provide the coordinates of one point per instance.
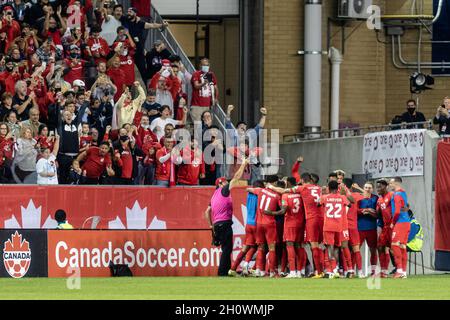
(17, 256)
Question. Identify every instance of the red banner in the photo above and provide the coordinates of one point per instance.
(87, 253)
(137, 208)
(442, 201)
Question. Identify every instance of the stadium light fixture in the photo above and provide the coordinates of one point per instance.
(420, 82)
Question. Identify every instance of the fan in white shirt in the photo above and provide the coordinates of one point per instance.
(158, 124)
(46, 166)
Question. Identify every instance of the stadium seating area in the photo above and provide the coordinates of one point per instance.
(83, 101)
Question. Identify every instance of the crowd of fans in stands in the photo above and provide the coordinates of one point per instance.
(83, 102)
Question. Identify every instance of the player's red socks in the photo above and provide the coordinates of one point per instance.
(250, 254)
(238, 260)
(404, 259)
(398, 257)
(301, 258)
(357, 260)
(291, 258)
(384, 261)
(317, 252)
(272, 261)
(374, 260)
(261, 259)
(347, 259)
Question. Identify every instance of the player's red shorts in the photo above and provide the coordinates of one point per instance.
(353, 235)
(294, 234)
(384, 239)
(331, 238)
(314, 230)
(250, 235)
(266, 233)
(370, 236)
(400, 232)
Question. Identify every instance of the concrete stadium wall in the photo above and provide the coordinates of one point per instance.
(324, 156)
(372, 89)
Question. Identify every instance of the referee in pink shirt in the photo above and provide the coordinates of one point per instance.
(219, 215)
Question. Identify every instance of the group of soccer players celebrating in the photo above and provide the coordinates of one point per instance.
(286, 216)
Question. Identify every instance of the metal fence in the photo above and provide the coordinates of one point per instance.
(354, 132)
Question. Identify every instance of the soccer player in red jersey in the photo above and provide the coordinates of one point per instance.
(335, 228)
(400, 225)
(266, 228)
(294, 229)
(310, 194)
(384, 209)
(352, 218)
(249, 248)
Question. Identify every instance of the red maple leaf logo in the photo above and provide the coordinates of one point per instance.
(17, 244)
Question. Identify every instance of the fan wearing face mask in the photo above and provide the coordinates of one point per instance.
(205, 92)
(412, 115)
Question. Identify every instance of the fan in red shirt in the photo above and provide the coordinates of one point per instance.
(294, 229)
(117, 76)
(193, 167)
(51, 30)
(384, 209)
(10, 76)
(266, 227)
(9, 25)
(166, 158)
(43, 138)
(85, 137)
(352, 217)
(74, 66)
(98, 46)
(123, 156)
(124, 48)
(335, 227)
(96, 161)
(6, 152)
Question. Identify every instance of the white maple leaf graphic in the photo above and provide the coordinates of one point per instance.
(157, 224)
(238, 227)
(31, 219)
(136, 218)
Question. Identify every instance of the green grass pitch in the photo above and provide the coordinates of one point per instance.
(202, 288)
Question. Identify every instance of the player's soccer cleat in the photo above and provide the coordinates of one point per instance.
(350, 275)
(318, 276)
(273, 275)
(300, 274)
(291, 276)
(398, 275)
(232, 273)
(245, 271)
(361, 275)
(383, 275)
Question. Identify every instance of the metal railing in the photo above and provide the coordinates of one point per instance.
(168, 38)
(354, 132)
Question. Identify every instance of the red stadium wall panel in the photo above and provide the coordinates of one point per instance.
(136, 208)
(442, 204)
(442, 207)
(87, 253)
